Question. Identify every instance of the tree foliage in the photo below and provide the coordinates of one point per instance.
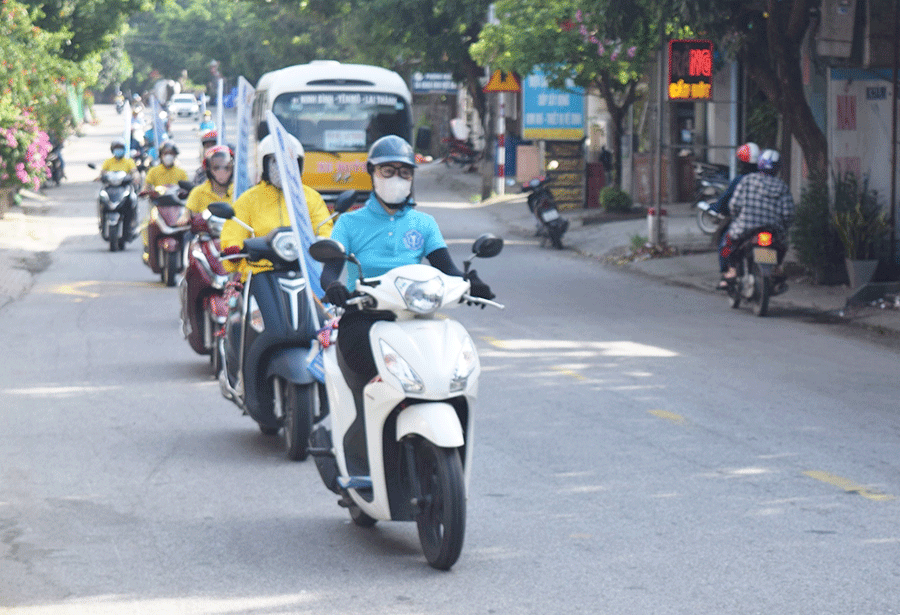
(767, 36)
(89, 25)
(601, 44)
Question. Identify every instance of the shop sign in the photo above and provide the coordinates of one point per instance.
(690, 70)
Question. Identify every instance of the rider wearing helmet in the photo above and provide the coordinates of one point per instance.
(264, 208)
(119, 161)
(218, 168)
(385, 233)
(208, 139)
(207, 123)
(747, 155)
(165, 173)
(760, 199)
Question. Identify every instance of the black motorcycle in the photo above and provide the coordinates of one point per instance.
(550, 225)
(116, 208)
(268, 333)
(758, 257)
(55, 165)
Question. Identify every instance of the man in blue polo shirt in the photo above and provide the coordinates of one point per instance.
(383, 234)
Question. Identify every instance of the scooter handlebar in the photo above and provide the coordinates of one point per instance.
(482, 301)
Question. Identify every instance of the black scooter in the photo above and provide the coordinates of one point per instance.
(116, 208)
(550, 225)
(268, 333)
(758, 257)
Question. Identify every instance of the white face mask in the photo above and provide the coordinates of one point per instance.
(168, 160)
(393, 190)
(274, 175)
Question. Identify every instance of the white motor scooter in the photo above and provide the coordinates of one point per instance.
(399, 446)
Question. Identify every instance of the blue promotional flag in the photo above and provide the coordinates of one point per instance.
(292, 187)
(242, 164)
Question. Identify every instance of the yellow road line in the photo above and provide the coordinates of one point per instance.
(847, 485)
(569, 372)
(669, 416)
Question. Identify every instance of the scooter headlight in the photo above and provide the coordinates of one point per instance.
(286, 247)
(422, 297)
(465, 365)
(398, 366)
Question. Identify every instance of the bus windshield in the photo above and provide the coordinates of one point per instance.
(341, 121)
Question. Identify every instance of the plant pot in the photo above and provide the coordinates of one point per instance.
(860, 272)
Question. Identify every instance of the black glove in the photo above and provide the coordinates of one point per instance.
(479, 288)
(337, 294)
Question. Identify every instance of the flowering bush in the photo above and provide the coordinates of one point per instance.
(23, 149)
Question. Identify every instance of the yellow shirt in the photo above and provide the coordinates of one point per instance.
(202, 195)
(264, 209)
(118, 164)
(160, 175)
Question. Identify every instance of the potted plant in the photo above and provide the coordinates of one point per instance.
(861, 227)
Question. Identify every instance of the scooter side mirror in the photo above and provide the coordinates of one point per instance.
(326, 250)
(92, 165)
(185, 185)
(345, 201)
(221, 210)
(487, 245)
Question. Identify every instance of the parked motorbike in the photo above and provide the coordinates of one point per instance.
(267, 341)
(164, 232)
(759, 278)
(549, 224)
(116, 208)
(202, 289)
(55, 164)
(461, 152)
(711, 182)
(399, 446)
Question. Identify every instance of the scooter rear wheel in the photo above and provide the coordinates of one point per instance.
(762, 292)
(441, 520)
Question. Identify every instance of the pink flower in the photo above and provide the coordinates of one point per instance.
(632, 51)
(578, 14)
(614, 56)
(20, 173)
(600, 49)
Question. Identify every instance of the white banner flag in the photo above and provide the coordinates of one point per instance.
(292, 186)
(220, 111)
(126, 111)
(243, 166)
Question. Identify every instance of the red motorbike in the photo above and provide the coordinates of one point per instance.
(165, 231)
(202, 289)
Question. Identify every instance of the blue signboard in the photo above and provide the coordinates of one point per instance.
(553, 115)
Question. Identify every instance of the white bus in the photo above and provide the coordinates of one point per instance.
(336, 111)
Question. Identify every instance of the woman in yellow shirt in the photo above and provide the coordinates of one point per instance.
(264, 209)
(165, 173)
(218, 164)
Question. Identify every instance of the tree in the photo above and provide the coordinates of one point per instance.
(89, 25)
(766, 36)
(600, 44)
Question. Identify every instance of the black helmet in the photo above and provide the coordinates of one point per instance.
(116, 143)
(168, 146)
(390, 148)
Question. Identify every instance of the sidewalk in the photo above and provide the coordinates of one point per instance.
(607, 239)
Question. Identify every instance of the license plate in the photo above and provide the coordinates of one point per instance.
(549, 215)
(766, 256)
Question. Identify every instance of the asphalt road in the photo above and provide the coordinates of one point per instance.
(638, 450)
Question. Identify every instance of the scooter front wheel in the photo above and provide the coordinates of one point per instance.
(441, 519)
(707, 221)
(170, 268)
(299, 407)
